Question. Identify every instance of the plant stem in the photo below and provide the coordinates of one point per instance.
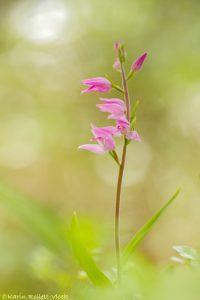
(120, 178)
(126, 94)
(117, 212)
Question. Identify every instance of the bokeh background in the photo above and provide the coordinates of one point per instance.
(46, 48)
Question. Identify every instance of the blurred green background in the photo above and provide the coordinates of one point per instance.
(46, 48)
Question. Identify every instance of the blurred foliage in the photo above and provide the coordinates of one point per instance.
(46, 48)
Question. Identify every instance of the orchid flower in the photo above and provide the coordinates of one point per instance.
(123, 128)
(117, 45)
(97, 84)
(115, 106)
(137, 65)
(116, 64)
(102, 131)
(104, 138)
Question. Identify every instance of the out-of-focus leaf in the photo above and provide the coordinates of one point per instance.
(133, 113)
(186, 252)
(146, 228)
(86, 261)
(114, 155)
(37, 218)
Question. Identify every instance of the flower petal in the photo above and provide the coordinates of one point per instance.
(97, 84)
(109, 144)
(95, 80)
(137, 65)
(133, 135)
(117, 45)
(116, 116)
(114, 101)
(116, 64)
(124, 123)
(115, 106)
(90, 89)
(112, 108)
(103, 131)
(93, 148)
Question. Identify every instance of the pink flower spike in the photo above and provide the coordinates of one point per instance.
(96, 84)
(93, 148)
(137, 65)
(133, 135)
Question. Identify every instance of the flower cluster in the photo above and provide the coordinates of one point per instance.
(103, 137)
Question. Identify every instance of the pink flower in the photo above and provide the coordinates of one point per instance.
(116, 107)
(123, 128)
(137, 65)
(133, 135)
(117, 45)
(104, 138)
(101, 132)
(116, 64)
(96, 84)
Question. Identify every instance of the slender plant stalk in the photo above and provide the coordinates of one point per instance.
(126, 94)
(117, 211)
(120, 178)
(104, 135)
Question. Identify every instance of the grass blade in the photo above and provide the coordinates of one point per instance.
(86, 261)
(133, 113)
(146, 228)
(39, 220)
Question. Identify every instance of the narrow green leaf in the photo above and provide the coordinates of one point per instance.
(134, 110)
(39, 220)
(146, 228)
(117, 87)
(121, 53)
(114, 85)
(114, 155)
(127, 142)
(130, 74)
(86, 261)
(133, 123)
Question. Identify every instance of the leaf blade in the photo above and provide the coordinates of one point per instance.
(87, 263)
(134, 110)
(42, 223)
(139, 236)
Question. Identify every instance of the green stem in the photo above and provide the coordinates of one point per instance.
(120, 178)
(117, 212)
(126, 94)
